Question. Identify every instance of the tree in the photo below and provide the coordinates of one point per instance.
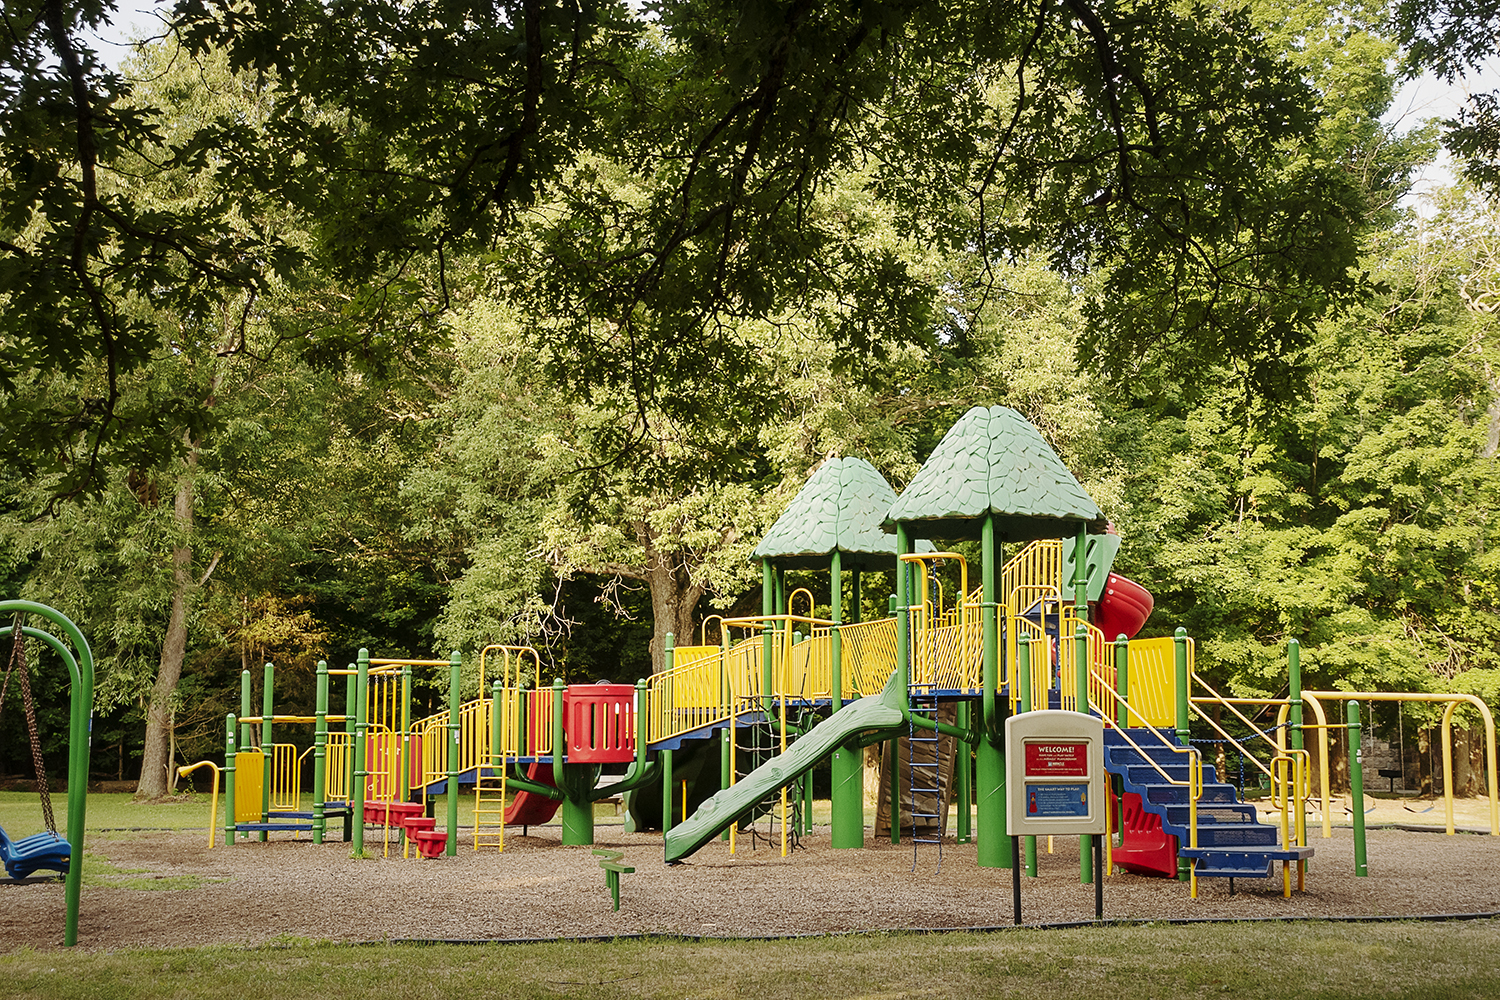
(84, 244)
(1172, 151)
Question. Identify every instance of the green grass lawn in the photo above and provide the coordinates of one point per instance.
(1154, 962)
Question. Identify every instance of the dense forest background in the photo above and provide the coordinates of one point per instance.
(422, 326)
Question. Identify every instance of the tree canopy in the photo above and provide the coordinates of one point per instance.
(425, 325)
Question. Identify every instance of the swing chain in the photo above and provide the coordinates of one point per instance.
(18, 666)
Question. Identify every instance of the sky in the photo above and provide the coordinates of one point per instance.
(1429, 97)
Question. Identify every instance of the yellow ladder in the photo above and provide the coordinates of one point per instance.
(489, 809)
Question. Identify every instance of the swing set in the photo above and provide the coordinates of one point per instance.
(49, 850)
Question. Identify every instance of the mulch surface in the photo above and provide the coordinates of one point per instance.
(254, 893)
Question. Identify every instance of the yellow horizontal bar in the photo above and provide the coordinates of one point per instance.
(409, 663)
(251, 719)
(1241, 701)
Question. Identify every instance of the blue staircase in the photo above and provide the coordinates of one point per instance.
(1232, 843)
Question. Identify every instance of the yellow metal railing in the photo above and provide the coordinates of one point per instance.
(1110, 698)
(339, 761)
(704, 691)
(473, 741)
(286, 777)
(868, 654)
(1034, 572)
(1099, 665)
(1042, 652)
(947, 647)
(1288, 771)
(525, 722)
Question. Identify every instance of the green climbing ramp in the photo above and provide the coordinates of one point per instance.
(871, 715)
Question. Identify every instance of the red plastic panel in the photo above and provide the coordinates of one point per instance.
(1145, 849)
(1123, 608)
(599, 720)
(530, 809)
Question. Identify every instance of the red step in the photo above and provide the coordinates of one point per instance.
(430, 843)
(378, 812)
(415, 824)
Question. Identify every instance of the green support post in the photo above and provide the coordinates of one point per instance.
(575, 780)
(455, 681)
(1122, 680)
(1081, 693)
(1026, 704)
(767, 634)
(320, 754)
(1294, 690)
(229, 768)
(993, 849)
(668, 779)
(405, 779)
(245, 707)
(1081, 572)
(1357, 787)
(847, 770)
(903, 669)
(267, 746)
(246, 711)
(964, 776)
(361, 726)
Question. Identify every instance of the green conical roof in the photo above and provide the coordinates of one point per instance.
(839, 507)
(994, 460)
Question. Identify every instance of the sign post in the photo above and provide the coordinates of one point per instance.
(1055, 785)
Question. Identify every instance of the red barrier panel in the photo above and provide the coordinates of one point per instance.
(599, 720)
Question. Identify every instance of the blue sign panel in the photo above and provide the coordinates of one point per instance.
(1057, 800)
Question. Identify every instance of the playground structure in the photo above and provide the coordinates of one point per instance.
(1033, 633)
(48, 850)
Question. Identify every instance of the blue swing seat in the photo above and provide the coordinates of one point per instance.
(41, 850)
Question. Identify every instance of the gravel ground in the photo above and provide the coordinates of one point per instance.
(176, 892)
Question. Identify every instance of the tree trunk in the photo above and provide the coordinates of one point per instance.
(156, 756)
(674, 603)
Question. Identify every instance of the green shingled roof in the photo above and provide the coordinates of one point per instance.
(839, 507)
(993, 459)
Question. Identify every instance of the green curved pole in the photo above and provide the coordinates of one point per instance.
(80, 730)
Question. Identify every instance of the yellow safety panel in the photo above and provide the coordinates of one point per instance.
(1153, 682)
(683, 655)
(249, 779)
